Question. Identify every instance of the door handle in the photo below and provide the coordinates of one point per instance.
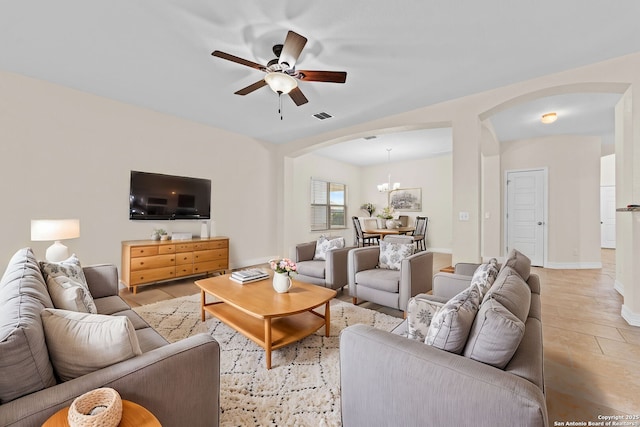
(539, 222)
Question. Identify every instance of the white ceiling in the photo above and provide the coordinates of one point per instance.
(398, 55)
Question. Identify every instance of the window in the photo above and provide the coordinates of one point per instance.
(328, 208)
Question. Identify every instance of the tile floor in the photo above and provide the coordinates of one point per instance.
(592, 356)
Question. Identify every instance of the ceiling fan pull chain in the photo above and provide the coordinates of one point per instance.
(280, 104)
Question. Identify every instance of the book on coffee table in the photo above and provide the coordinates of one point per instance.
(249, 275)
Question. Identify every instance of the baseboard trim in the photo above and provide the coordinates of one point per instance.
(573, 265)
(618, 286)
(632, 318)
(250, 262)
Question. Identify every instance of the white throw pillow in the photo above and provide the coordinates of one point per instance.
(392, 254)
(420, 313)
(69, 284)
(81, 343)
(324, 245)
(450, 328)
(484, 276)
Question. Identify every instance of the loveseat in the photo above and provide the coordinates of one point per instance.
(389, 379)
(179, 383)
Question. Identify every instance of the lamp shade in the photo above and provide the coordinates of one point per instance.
(280, 82)
(54, 229)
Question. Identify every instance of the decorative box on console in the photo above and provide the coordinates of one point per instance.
(181, 236)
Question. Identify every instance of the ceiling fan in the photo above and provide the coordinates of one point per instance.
(282, 76)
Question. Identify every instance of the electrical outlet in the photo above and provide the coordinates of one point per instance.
(463, 216)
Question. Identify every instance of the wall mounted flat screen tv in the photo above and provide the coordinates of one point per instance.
(155, 196)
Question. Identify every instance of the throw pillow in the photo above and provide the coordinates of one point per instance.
(512, 292)
(67, 285)
(80, 343)
(495, 335)
(420, 313)
(484, 276)
(450, 327)
(518, 262)
(324, 245)
(392, 254)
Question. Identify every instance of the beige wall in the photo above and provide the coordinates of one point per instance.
(573, 199)
(433, 175)
(68, 154)
(608, 170)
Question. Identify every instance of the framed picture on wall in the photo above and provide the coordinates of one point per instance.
(406, 199)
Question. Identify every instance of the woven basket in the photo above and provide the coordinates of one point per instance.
(106, 405)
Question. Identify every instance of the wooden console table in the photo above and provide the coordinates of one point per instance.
(151, 261)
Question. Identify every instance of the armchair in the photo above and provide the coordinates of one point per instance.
(330, 273)
(391, 288)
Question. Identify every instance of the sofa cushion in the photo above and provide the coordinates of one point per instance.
(80, 343)
(392, 254)
(450, 327)
(512, 292)
(380, 279)
(313, 268)
(519, 262)
(495, 335)
(24, 363)
(324, 245)
(484, 276)
(420, 312)
(69, 290)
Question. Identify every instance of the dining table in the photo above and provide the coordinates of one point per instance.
(389, 231)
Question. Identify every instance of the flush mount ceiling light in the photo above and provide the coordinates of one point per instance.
(280, 83)
(549, 118)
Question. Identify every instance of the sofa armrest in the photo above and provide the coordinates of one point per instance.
(179, 383)
(360, 259)
(465, 268)
(102, 280)
(448, 285)
(416, 276)
(405, 382)
(305, 251)
(335, 272)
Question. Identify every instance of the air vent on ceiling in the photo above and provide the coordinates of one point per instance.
(322, 116)
(370, 137)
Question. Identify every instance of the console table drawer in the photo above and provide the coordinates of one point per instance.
(184, 247)
(155, 274)
(166, 249)
(143, 251)
(184, 270)
(203, 267)
(209, 255)
(184, 258)
(145, 263)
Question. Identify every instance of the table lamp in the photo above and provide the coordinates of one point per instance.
(56, 230)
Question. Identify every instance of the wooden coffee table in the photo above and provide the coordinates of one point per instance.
(269, 319)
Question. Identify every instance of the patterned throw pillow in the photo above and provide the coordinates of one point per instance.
(484, 276)
(324, 245)
(450, 328)
(67, 285)
(392, 254)
(420, 313)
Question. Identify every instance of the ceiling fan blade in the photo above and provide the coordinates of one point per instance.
(255, 86)
(298, 97)
(322, 76)
(291, 49)
(238, 60)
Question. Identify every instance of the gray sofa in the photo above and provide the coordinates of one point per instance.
(179, 383)
(330, 273)
(387, 379)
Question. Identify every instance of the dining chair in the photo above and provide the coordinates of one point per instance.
(404, 220)
(366, 238)
(419, 234)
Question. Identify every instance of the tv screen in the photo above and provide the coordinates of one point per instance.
(156, 196)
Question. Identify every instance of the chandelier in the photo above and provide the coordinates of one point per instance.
(385, 187)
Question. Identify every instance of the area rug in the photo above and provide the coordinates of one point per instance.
(303, 386)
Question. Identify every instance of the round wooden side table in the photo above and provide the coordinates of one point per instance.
(133, 415)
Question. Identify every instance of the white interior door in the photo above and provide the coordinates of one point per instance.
(526, 213)
(608, 216)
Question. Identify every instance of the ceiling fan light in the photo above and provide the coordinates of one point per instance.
(549, 118)
(280, 82)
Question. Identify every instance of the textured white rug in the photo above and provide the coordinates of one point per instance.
(303, 386)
